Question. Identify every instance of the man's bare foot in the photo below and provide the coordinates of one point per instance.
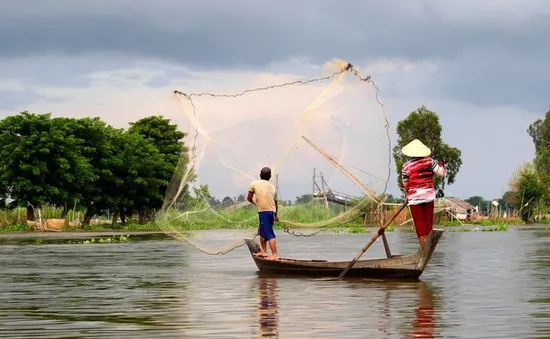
(261, 254)
(273, 257)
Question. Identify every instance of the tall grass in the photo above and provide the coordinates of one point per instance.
(247, 217)
(485, 222)
(18, 215)
(244, 218)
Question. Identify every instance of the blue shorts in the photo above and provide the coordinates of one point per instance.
(267, 219)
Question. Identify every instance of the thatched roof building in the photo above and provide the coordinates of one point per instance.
(459, 209)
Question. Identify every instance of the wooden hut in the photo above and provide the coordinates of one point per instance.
(459, 209)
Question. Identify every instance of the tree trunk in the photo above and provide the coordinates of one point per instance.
(128, 214)
(115, 216)
(122, 215)
(88, 216)
(30, 213)
(142, 217)
(65, 210)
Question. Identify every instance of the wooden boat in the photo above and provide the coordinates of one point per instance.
(396, 267)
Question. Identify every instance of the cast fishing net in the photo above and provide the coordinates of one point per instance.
(333, 126)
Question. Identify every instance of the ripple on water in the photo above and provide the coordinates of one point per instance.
(478, 285)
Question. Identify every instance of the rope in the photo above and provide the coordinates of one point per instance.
(296, 234)
(223, 251)
(350, 176)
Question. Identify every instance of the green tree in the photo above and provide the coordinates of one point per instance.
(479, 201)
(511, 198)
(393, 200)
(68, 161)
(97, 145)
(169, 141)
(137, 176)
(304, 199)
(214, 202)
(526, 182)
(41, 161)
(539, 131)
(424, 125)
(227, 201)
(165, 136)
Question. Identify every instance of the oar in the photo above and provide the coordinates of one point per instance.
(373, 239)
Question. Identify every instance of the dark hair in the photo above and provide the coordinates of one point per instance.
(265, 173)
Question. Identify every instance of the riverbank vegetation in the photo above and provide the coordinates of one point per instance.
(245, 218)
(530, 183)
(80, 174)
(84, 167)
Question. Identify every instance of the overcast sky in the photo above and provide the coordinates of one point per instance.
(481, 65)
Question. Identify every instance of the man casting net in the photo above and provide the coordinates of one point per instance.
(324, 139)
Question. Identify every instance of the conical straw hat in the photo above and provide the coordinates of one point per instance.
(416, 149)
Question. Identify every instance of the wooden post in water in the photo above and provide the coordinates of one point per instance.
(384, 239)
(313, 184)
(323, 189)
(386, 245)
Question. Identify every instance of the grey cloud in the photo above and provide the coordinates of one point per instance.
(158, 82)
(253, 34)
(479, 49)
(11, 101)
(519, 79)
(58, 71)
(168, 78)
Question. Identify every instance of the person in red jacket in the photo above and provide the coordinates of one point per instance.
(417, 176)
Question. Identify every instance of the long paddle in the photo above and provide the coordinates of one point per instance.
(373, 239)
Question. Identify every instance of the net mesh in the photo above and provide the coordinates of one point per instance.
(320, 137)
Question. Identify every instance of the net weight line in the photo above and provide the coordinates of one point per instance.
(193, 156)
(241, 242)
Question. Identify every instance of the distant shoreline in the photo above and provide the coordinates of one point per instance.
(67, 234)
(74, 234)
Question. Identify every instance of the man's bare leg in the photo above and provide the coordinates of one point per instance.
(263, 251)
(273, 246)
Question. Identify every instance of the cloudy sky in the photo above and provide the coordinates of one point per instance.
(482, 66)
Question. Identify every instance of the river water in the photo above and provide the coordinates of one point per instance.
(478, 285)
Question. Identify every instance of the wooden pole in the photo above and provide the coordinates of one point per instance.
(381, 211)
(386, 245)
(313, 186)
(323, 190)
(373, 239)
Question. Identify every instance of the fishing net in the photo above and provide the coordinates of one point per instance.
(326, 140)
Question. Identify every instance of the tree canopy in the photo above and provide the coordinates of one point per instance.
(424, 125)
(66, 161)
(530, 182)
(539, 131)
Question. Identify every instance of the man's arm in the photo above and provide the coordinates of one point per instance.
(251, 194)
(249, 197)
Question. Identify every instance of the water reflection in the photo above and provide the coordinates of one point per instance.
(268, 307)
(423, 325)
(478, 285)
(415, 301)
(382, 308)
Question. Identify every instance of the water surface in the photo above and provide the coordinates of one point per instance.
(478, 285)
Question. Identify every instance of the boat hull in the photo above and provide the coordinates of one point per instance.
(397, 267)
